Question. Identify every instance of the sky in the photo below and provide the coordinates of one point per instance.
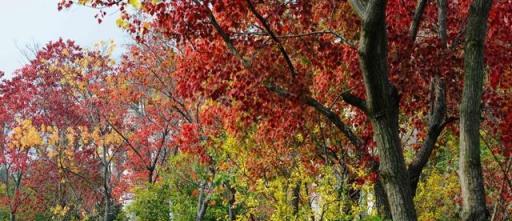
(28, 23)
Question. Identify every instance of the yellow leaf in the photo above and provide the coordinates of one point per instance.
(120, 22)
(135, 3)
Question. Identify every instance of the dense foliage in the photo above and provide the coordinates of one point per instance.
(258, 110)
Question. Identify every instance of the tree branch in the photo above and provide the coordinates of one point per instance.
(226, 38)
(442, 7)
(307, 34)
(437, 123)
(333, 117)
(322, 109)
(125, 139)
(358, 7)
(500, 165)
(355, 101)
(274, 37)
(416, 21)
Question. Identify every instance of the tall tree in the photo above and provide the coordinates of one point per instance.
(277, 65)
(471, 177)
(382, 106)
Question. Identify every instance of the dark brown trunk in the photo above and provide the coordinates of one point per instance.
(230, 195)
(471, 179)
(381, 201)
(437, 121)
(416, 21)
(151, 171)
(383, 101)
(442, 7)
(296, 198)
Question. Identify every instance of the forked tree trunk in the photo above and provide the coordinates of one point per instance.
(471, 179)
(382, 104)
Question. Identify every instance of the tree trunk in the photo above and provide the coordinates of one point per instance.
(107, 216)
(383, 101)
(151, 171)
(17, 184)
(202, 202)
(471, 179)
(437, 121)
(296, 198)
(381, 201)
(231, 206)
(230, 196)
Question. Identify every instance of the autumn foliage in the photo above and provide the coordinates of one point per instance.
(252, 110)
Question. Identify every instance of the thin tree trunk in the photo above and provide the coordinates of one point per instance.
(437, 121)
(296, 198)
(418, 16)
(202, 202)
(17, 184)
(230, 197)
(106, 215)
(151, 171)
(106, 187)
(231, 203)
(442, 7)
(383, 101)
(471, 178)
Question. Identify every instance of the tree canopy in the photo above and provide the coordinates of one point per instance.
(267, 110)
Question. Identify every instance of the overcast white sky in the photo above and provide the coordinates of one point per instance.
(35, 22)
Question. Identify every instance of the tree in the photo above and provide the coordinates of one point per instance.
(471, 178)
(267, 110)
(278, 65)
(55, 96)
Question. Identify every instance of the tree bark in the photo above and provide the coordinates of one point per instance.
(107, 216)
(151, 171)
(231, 203)
(442, 7)
(381, 201)
(437, 121)
(202, 202)
(296, 198)
(382, 103)
(471, 178)
(416, 21)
